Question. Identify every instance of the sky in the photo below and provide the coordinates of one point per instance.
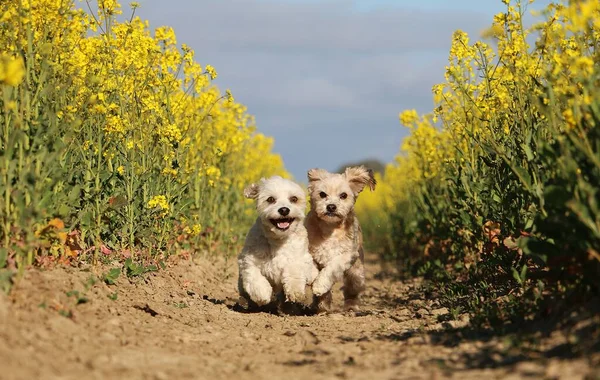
(326, 78)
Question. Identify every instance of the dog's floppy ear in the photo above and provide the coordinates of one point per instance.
(315, 175)
(251, 191)
(358, 177)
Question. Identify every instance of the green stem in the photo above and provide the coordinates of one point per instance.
(7, 179)
(97, 191)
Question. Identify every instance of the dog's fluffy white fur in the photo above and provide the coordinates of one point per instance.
(275, 256)
(334, 233)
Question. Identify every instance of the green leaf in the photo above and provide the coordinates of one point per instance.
(6, 280)
(523, 273)
(538, 250)
(74, 194)
(523, 175)
(118, 202)
(528, 152)
(3, 257)
(516, 276)
(556, 196)
(584, 216)
(87, 219)
(112, 275)
(529, 224)
(64, 210)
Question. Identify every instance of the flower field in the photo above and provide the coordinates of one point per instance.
(495, 193)
(115, 142)
(113, 138)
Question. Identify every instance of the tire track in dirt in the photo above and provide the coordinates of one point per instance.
(180, 323)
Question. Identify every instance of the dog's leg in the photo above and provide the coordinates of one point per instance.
(354, 285)
(252, 306)
(312, 272)
(255, 285)
(333, 272)
(322, 303)
(294, 284)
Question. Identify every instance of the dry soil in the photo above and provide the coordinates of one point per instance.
(183, 323)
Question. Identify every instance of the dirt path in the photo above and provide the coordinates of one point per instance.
(179, 324)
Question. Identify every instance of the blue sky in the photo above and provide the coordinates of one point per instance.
(366, 5)
(325, 78)
(478, 5)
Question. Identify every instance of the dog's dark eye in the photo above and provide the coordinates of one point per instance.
(343, 196)
(322, 195)
(294, 199)
(271, 200)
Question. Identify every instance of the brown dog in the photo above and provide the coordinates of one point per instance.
(334, 233)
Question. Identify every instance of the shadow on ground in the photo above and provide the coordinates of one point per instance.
(573, 334)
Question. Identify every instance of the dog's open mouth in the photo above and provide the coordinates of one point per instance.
(332, 214)
(283, 223)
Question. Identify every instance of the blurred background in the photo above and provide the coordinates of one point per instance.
(326, 79)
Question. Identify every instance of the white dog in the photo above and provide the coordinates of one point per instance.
(275, 256)
(334, 234)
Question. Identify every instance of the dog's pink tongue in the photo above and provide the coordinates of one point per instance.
(283, 225)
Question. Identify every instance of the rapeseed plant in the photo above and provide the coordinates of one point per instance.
(117, 131)
(512, 142)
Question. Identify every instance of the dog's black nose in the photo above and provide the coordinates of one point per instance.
(331, 207)
(284, 211)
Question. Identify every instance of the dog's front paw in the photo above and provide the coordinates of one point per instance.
(321, 285)
(299, 297)
(295, 291)
(352, 304)
(313, 272)
(261, 295)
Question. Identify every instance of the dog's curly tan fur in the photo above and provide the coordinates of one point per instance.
(334, 233)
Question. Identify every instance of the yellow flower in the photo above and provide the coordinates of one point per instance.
(212, 73)
(160, 202)
(409, 117)
(229, 96)
(213, 171)
(170, 171)
(495, 31)
(128, 93)
(583, 66)
(12, 70)
(569, 118)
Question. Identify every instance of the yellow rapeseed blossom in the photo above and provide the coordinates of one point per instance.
(569, 117)
(160, 202)
(133, 103)
(485, 89)
(212, 73)
(213, 172)
(408, 117)
(229, 95)
(12, 70)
